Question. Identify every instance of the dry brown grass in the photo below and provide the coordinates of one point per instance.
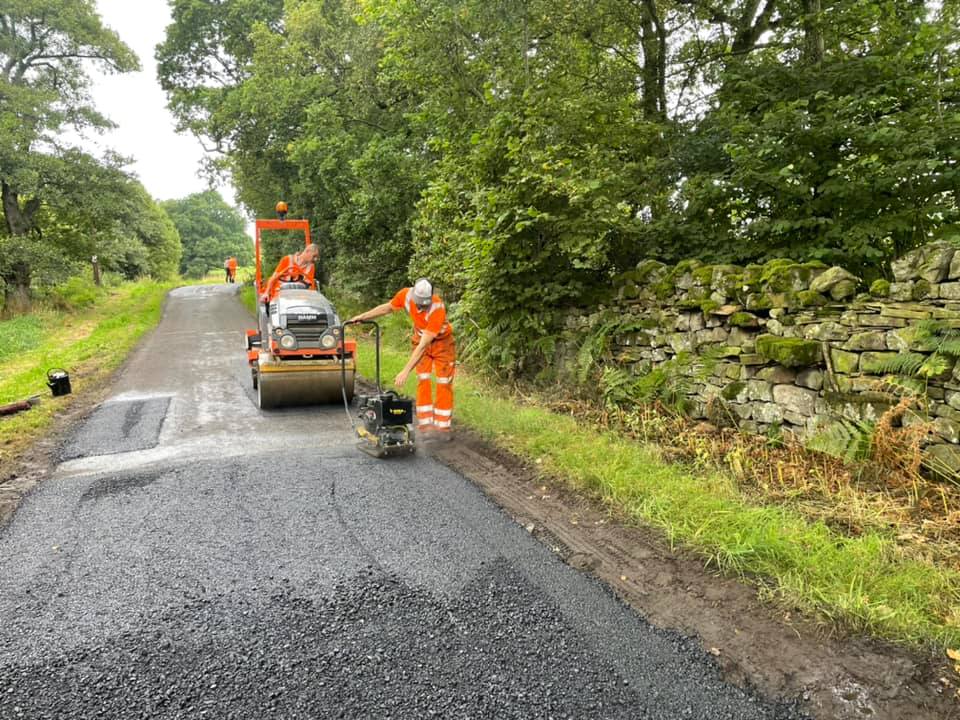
(885, 493)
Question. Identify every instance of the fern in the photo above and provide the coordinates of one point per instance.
(904, 363)
(849, 440)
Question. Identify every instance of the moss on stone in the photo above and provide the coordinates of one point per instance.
(703, 275)
(789, 352)
(809, 298)
(647, 270)
(920, 290)
(880, 288)
(708, 306)
(781, 276)
(743, 319)
(663, 289)
(731, 391)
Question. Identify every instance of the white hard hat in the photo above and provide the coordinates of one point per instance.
(422, 292)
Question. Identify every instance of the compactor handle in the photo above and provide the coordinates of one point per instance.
(343, 355)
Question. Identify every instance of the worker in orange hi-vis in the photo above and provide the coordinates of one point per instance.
(299, 267)
(231, 269)
(433, 351)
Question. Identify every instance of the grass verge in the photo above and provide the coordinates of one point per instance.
(89, 344)
(861, 584)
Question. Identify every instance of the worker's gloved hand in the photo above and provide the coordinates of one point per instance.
(401, 379)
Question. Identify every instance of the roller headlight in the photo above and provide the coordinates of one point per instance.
(328, 341)
(288, 341)
(278, 331)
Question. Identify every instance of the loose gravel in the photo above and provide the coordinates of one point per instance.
(374, 648)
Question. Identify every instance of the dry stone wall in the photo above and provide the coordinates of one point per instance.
(792, 345)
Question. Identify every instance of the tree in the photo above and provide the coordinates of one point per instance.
(210, 231)
(46, 47)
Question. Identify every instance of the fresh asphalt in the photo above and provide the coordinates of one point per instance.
(193, 556)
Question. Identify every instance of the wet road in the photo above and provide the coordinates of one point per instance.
(196, 557)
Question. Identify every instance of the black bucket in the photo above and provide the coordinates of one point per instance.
(59, 382)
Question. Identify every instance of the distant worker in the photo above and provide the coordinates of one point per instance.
(299, 267)
(231, 269)
(226, 270)
(433, 350)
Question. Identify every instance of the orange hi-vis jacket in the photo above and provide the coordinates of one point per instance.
(288, 271)
(439, 359)
(232, 264)
(433, 319)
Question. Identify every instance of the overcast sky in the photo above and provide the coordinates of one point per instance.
(166, 163)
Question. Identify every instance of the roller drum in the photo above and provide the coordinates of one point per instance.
(287, 389)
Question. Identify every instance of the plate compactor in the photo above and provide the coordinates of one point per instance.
(297, 354)
(385, 426)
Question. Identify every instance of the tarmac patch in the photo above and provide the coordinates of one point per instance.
(118, 427)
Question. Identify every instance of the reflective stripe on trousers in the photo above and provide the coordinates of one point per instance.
(440, 360)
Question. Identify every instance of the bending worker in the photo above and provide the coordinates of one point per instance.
(433, 350)
(299, 267)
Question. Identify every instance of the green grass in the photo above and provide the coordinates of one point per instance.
(23, 333)
(858, 584)
(89, 344)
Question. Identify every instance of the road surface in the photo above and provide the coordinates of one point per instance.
(193, 556)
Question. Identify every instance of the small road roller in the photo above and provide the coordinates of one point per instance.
(296, 352)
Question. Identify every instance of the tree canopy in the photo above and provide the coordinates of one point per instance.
(61, 205)
(210, 231)
(523, 154)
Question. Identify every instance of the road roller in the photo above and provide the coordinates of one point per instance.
(297, 354)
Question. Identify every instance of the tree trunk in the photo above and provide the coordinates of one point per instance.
(812, 31)
(19, 221)
(95, 263)
(17, 291)
(653, 42)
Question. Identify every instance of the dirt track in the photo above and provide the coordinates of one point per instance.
(191, 555)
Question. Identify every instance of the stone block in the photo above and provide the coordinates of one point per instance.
(680, 342)
(844, 362)
(947, 429)
(945, 411)
(943, 461)
(950, 291)
(900, 339)
(753, 359)
(812, 379)
(871, 362)
(735, 392)
(930, 262)
(777, 375)
(829, 278)
(952, 398)
(712, 335)
(767, 413)
(795, 399)
(828, 331)
(901, 291)
(954, 272)
(794, 418)
(905, 312)
(759, 390)
(872, 340)
(881, 321)
(744, 412)
(843, 290)
(790, 352)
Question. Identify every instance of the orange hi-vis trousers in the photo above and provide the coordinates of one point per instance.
(439, 359)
